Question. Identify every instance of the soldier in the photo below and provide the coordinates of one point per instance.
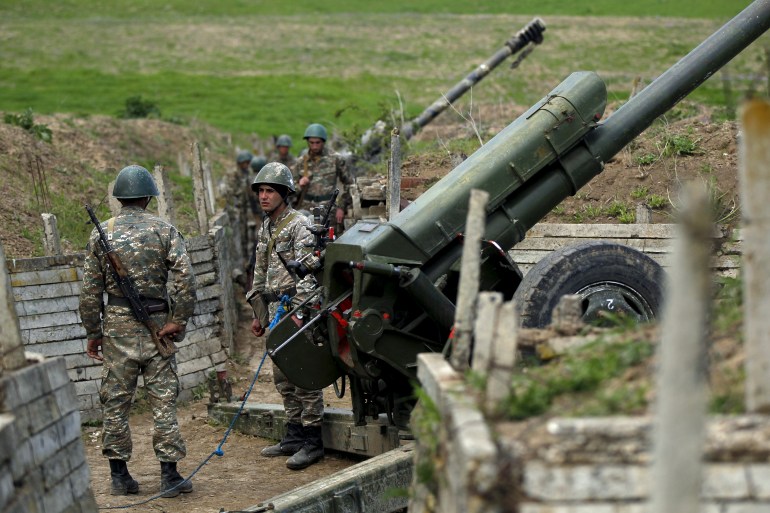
(317, 172)
(149, 249)
(281, 153)
(257, 163)
(285, 236)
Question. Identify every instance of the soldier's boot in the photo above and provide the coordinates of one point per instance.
(312, 451)
(122, 482)
(289, 445)
(171, 483)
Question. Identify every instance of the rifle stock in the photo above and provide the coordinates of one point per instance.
(165, 345)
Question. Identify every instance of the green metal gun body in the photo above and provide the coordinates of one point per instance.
(165, 345)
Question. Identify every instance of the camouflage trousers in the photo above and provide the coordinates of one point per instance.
(302, 406)
(125, 358)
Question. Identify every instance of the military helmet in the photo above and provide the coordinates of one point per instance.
(315, 130)
(244, 156)
(134, 182)
(283, 140)
(257, 163)
(274, 173)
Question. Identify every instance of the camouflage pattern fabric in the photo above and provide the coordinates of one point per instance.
(324, 171)
(293, 242)
(150, 249)
(270, 275)
(289, 161)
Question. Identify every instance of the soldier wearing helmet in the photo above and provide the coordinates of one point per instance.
(257, 163)
(285, 236)
(317, 173)
(242, 160)
(151, 250)
(281, 152)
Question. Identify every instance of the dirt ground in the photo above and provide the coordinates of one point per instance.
(240, 478)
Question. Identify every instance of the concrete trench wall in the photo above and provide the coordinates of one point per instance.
(43, 467)
(582, 465)
(45, 291)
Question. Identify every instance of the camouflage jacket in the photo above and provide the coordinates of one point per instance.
(293, 242)
(324, 171)
(149, 249)
(289, 161)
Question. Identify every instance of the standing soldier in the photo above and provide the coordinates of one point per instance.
(149, 248)
(317, 172)
(281, 153)
(285, 236)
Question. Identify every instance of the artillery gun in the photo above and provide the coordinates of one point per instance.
(388, 289)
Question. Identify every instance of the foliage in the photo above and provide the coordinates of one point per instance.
(646, 159)
(26, 120)
(583, 371)
(136, 107)
(640, 191)
(656, 201)
(425, 421)
(622, 212)
(680, 145)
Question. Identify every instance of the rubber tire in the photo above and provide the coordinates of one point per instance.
(572, 268)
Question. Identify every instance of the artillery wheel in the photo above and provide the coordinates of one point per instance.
(610, 278)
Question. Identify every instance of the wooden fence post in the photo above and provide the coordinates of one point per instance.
(184, 167)
(469, 278)
(502, 359)
(208, 182)
(754, 172)
(199, 189)
(165, 199)
(681, 383)
(51, 239)
(11, 345)
(394, 175)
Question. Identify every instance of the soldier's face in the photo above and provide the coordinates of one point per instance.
(269, 198)
(315, 145)
(243, 166)
(283, 150)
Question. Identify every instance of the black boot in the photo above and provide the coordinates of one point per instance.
(122, 482)
(290, 444)
(312, 451)
(171, 483)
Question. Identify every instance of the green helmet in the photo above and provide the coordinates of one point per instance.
(315, 130)
(283, 140)
(274, 173)
(134, 182)
(257, 163)
(244, 156)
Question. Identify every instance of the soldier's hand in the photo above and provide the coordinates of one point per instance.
(256, 328)
(170, 328)
(93, 348)
(340, 215)
(303, 181)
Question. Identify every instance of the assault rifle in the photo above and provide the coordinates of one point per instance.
(165, 345)
(320, 230)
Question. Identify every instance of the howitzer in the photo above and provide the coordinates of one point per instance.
(403, 274)
(165, 345)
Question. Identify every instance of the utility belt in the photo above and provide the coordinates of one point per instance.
(318, 199)
(153, 305)
(272, 296)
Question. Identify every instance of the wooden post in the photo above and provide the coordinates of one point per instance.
(112, 200)
(502, 359)
(394, 175)
(754, 172)
(199, 189)
(208, 182)
(184, 167)
(51, 240)
(11, 345)
(469, 278)
(165, 199)
(643, 214)
(487, 310)
(681, 383)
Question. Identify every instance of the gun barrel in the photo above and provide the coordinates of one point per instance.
(531, 33)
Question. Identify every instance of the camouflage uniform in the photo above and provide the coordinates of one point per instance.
(149, 248)
(289, 161)
(324, 171)
(272, 280)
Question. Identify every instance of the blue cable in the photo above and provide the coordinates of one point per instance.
(217, 452)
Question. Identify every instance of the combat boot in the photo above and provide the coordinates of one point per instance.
(122, 482)
(312, 451)
(289, 445)
(171, 483)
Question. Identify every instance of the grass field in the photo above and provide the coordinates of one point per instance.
(252, 68)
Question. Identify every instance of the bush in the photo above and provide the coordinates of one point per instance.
(26, 120)
(136, 107)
